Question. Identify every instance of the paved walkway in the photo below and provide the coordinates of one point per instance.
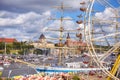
(16, 69)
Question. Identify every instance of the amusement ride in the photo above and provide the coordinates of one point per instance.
(111, 38)
(99, 42)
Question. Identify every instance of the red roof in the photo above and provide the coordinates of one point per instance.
(8, 40)
(76, 43)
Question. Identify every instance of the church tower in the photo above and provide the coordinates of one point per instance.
(42, 38)
(68, 40)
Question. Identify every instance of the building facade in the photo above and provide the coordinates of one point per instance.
(8, 40)
(43, 43)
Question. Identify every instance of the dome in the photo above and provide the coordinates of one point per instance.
(42, 36)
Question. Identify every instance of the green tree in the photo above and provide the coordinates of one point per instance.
(75, 77)
(2, 45)
(16, 45)
(21, 52)
(7, 51)
(9, 46)
(38, 51)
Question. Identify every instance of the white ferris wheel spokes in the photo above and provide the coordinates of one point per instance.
(90, 39)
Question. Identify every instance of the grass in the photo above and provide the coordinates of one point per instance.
(0, 73)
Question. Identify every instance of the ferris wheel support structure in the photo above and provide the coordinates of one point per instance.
(89, 40)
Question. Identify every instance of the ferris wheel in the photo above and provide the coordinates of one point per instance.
(102, 31)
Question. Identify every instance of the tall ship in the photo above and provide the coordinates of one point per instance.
(94, 51)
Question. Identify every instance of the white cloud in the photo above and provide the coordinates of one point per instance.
(30, 25)
(25, 23)
(105, 20)
(75, 4)
(38, 5)
(47, 13)
(18, 19)
(5, 14)
(106, 15)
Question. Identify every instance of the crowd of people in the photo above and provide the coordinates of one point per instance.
(42, 76)
(59, 76)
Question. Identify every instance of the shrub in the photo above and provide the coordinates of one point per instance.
(75, 77)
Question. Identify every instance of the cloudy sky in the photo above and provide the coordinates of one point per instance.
(27, 19)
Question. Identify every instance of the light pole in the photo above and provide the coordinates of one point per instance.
(9, 73)
(5, 48)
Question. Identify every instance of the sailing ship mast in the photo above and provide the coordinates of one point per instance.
(61, 30)
(116, 27)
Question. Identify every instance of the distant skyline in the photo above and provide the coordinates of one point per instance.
(28, 19)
